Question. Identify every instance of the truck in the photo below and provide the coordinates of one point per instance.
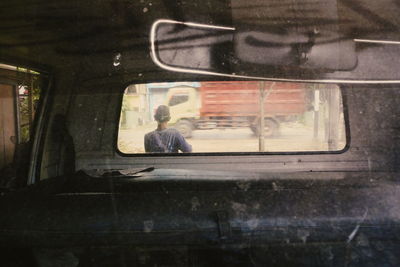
(228, 105)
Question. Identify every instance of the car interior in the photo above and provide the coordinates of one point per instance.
(290, 110)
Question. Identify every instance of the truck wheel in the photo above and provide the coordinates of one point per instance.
(185, 128)
(271, 128)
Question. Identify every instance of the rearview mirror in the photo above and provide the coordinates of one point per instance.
(274, 54)
(209, 49)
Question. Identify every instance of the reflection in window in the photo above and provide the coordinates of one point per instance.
(178, 99)
(228, 116)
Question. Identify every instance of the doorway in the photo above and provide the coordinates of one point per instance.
(8, 124)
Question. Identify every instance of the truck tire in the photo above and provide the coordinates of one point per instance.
(185, 128)
(271, 128)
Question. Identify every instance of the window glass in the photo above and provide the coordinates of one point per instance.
(226, 116)
(28, 98)
(20, 90)
(26, 89)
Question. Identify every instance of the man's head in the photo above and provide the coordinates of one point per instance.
(162, 114)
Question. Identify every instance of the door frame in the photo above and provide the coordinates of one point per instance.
(14, 84)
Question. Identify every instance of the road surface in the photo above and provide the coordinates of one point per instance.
(293, 137)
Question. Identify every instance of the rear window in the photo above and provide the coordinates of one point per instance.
(227, 116)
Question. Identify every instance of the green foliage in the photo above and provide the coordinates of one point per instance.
(24, 101)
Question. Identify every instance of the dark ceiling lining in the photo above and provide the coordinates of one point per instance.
(47, 32)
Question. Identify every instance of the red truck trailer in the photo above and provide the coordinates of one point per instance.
(236, 104)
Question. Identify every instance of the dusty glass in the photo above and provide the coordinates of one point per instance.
(226, 116)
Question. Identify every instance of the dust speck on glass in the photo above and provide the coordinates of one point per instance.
(117, 60)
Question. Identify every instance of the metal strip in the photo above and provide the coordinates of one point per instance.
(377, 41)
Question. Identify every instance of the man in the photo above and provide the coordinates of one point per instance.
(163, 139)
